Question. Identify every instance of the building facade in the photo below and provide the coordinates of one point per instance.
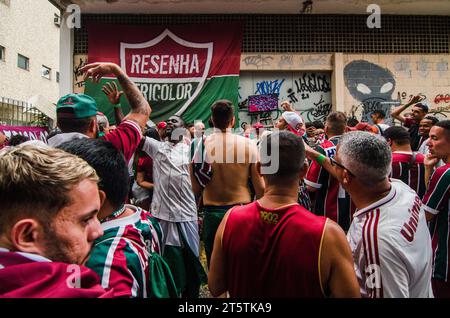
(328, 57)
(29, 55)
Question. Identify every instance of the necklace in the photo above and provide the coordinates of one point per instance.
(114, 215)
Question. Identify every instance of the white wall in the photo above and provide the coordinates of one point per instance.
(27, 28)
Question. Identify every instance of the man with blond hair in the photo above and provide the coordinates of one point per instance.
(48, 223)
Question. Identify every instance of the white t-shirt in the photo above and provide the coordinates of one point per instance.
(173, 197)
(391, 246)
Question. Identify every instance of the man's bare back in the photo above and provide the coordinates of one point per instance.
(233, 161)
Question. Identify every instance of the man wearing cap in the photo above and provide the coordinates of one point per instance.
(419, 111)
(291, 121)
(76, 113)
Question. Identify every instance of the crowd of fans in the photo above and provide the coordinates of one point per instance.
(321, 209)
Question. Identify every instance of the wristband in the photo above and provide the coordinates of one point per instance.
(320, 159)
(118, 106)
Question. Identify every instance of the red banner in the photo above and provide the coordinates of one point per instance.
(33, 133)
(180, 69)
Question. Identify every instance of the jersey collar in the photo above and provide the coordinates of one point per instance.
(391, 195)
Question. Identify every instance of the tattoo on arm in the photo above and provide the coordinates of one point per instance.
(138, 104)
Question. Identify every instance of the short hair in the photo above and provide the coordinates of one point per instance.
(398, 134)
(291, 151)
(17, 140)
(222, 114)
(183, 124)
(109, 164)
(318, 124)
(446, 125)
(433, 119)
(152, 132)
(381, 113)
(35, 182)
(190, 125)
(79, 125)
(366, 155)
(422, 106)
(336, 123)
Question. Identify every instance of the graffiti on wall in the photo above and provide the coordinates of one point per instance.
(372, 86)
(309, 93)
(78, 63)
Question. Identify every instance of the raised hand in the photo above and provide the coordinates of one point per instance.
(287, 106)
(112, 92)
(98, 70)
(416, 99)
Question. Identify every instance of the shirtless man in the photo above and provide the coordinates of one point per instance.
(233, 163)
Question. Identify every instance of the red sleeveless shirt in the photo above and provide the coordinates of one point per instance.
(273, 252)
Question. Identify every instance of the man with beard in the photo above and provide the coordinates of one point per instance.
(48, 223)
(128, 256)
(175, 207)
(437, 204)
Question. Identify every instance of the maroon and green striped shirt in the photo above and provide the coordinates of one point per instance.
(123, 256)
(436, 202)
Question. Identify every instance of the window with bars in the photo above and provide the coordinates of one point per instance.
(309, 33)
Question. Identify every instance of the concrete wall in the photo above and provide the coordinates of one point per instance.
(27, 28)
(359, 83)
(383, 81)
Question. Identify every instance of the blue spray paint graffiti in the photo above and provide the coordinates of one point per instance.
(269, 87)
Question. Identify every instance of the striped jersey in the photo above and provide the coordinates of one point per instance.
(273, 252)
(125, 138)
(409, 169)
(122, 256)
(331, 199)
(437, 202)
(391, 246)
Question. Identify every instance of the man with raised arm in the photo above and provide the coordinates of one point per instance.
(76, 113)
(419, 111)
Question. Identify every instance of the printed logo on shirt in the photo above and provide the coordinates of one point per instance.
(330, 152)
(269, 217)
(409, 229)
